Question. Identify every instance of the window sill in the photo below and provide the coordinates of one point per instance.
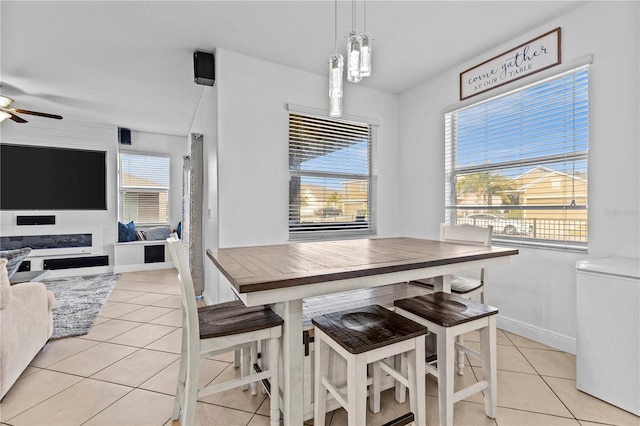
(548, 245)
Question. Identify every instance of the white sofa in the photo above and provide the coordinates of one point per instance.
(26, 323)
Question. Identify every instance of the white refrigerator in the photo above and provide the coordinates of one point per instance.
(608, 330)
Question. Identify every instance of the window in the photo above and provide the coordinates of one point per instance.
(330, 177)
(144, 189)
(518, 162)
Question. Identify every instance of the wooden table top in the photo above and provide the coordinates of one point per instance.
(258, 268)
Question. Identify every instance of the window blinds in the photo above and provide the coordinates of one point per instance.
(330, 177)
(519, 162)
(144, 188)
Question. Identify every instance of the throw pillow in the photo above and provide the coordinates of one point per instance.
(126, 232)
(158, 233)
(14, 258)
(5, 286)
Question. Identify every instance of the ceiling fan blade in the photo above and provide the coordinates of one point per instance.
(39, 114)
(16, 118)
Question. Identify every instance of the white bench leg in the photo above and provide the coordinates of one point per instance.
(401, 390)
(236, 358)
(376, 387)
(254, 360)
(460, 355)
(489, 366)
(245, 369)
(274, 349)
(416, 375)
(357, 390)
(446, 353)
(321, 369)
(191, 388)
(182, 377)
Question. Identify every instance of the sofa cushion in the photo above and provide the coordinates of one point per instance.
(126, 232)
(14, 258)
(5, 286)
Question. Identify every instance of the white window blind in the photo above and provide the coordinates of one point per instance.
(144, 189)
(330, 177)
(518, 162)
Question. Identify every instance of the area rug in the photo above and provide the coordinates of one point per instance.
(78, 301)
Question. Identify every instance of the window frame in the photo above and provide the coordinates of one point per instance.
(341, 230)
(452, 170)
(122, 189)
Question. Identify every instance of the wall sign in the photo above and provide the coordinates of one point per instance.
(531, 57)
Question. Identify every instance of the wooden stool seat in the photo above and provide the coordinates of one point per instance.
(444, 309)
(366, 328)
(362, 336)
(448, 316)
(229, 318)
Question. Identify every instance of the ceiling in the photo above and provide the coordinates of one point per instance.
(129, 64)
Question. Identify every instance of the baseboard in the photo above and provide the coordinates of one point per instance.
(546, 337)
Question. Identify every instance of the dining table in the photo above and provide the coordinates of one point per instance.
(283, 275)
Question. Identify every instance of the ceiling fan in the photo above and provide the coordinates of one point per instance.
(6, 112)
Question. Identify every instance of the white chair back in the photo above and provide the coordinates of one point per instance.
(470, 234)
(190, 309)
(466, 234)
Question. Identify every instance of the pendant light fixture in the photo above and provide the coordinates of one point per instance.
(336, 68)
(365, 47)
(354, 43)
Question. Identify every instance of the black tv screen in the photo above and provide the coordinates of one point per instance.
(46, 178)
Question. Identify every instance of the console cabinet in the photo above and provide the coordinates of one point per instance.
(140, 256)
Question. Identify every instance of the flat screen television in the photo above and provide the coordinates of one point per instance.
(48, 178)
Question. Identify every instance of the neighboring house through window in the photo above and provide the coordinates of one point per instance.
(144, 189)
(330, 177)
(518, 162)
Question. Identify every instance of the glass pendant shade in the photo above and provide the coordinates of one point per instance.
(354, 44)
(335, 107)
(365, 54)
(336, 68)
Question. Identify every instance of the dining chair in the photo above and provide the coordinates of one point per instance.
(217, 329)
(466, 286)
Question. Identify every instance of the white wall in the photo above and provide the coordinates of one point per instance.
(69, 133)
(252, 147)
(536, 294)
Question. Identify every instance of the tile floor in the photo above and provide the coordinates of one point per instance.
(124, 372)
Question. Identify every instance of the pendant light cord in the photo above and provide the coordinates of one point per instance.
(364, 3)
(335, 27)
(353, 16)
